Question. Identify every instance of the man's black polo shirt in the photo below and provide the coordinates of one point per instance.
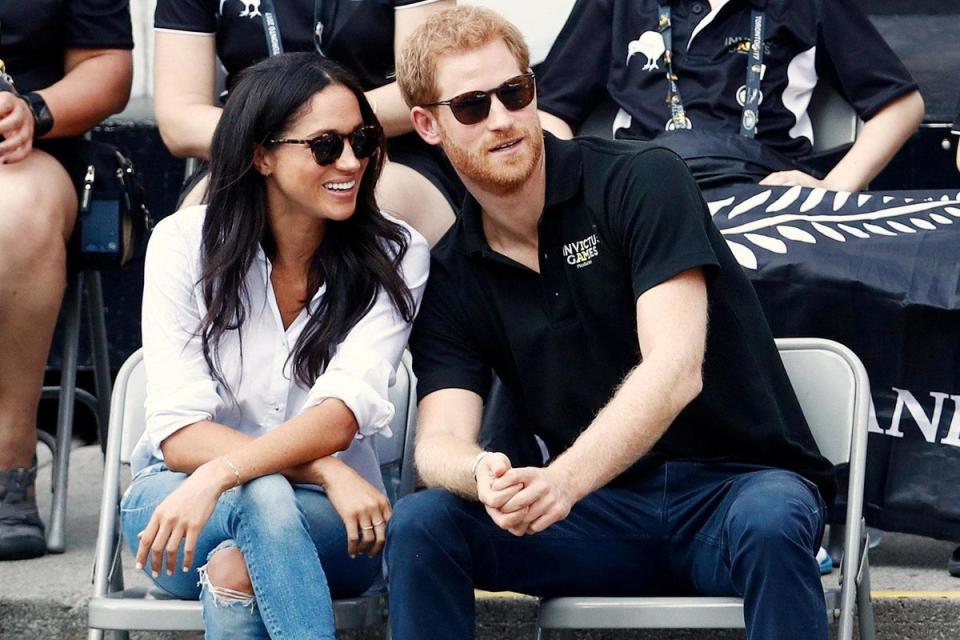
(612, 47)
(619, 219)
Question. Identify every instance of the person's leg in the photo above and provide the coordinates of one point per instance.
(411, 197)
(287, 595)
(37, 214)
(347, 577)
(754, 535)
(440, 547)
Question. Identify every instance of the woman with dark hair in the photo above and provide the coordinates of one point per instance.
(274, 318)
(418, 183)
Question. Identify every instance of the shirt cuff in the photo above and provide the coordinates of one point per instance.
(364, 389)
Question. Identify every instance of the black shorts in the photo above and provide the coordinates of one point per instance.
(69, 153)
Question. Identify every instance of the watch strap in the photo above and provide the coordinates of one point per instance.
(42, 118)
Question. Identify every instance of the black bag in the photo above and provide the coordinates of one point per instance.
(114, 222)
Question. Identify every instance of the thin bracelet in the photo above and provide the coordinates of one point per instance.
(236, 471)
(476, 463)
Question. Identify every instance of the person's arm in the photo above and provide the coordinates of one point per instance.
(555, 125)
(184, 81)
(391, 110)
(881, 138)
(671, 329)
(447, 453)
(96, 84)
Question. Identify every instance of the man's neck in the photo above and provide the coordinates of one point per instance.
(510, 220)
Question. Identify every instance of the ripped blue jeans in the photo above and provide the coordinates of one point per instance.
(294, 544)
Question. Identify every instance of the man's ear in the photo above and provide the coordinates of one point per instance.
(425, 124)
(262, 161)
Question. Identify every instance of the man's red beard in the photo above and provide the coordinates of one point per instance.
(498, 176)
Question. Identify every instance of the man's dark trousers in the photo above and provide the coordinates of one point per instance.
(682, 528)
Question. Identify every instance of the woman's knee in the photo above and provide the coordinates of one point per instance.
(271, 499)
(226, 575)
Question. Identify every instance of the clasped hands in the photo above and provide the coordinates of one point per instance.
(523, 500)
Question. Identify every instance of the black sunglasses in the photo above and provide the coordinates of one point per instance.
(474, 106)
(328, 147)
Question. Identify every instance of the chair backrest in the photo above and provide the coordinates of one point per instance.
(128, 417)
(835, 123)
(827, 387)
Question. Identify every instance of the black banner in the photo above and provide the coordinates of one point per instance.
(879, 273)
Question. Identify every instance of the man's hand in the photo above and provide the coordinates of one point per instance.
(792, 179)
(490, 469)
(542, 501)
(16, 127)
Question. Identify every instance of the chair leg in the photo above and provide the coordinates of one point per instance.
(99, 351)
(864, 604)
(835, 543)
(68, 385)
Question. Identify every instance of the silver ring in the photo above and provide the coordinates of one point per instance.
(368, 528)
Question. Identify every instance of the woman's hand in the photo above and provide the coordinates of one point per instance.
(364, 510)
(16, 128)
(182, 516)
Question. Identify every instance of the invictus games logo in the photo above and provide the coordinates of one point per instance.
(581, 253)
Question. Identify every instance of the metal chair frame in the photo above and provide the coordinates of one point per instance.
(120, 610)
(79, 282)
(834, 393)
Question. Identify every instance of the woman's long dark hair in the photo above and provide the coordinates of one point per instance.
(358, 256)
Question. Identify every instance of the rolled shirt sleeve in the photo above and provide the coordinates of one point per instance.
(364, 364)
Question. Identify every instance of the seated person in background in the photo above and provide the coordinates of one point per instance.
(581, 273)
(70, 64)
(734, 112)
(418, 184)
(274, 318)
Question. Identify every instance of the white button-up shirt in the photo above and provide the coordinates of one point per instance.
(261, 391)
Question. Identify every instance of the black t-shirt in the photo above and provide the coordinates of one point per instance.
(358, 35)
(37, 32)
(619, 219)
(613, 47)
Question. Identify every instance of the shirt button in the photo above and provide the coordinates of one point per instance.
(697, 8)
(556, 293)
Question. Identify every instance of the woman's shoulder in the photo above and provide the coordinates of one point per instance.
(181, 229)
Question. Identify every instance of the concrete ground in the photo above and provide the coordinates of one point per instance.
(914, 597)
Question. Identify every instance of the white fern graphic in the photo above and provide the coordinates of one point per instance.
(809, 216)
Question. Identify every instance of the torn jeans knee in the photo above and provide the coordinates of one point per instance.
(223, 596)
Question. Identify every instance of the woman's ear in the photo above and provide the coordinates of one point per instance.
(262, 160)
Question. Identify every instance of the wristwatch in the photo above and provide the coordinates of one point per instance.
(42, 118)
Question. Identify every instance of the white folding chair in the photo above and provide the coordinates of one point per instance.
(834, 393)
(115, 608)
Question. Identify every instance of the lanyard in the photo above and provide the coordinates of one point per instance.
(751, 98)
(271, 26)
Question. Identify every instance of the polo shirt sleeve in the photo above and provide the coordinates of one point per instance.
(445, 355)
(854, 58)
(97, 24)
(197, 16)
(573, 78)
(657, 213)
(407, 4)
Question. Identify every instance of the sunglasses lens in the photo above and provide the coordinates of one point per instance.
(365, 141)
(327, 148)
(516, 93)
(470, 108)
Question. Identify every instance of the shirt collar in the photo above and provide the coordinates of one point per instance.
(564, 168)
